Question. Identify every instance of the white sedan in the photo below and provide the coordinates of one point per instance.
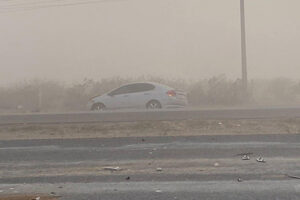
(140, 95)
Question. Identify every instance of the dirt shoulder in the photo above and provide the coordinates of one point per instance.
(153, 128)
(154, 167)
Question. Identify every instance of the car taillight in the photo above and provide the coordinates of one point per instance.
(171, 93)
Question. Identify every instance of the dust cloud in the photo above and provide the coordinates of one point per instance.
(190, 39)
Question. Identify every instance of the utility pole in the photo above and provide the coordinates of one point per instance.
(243, 47)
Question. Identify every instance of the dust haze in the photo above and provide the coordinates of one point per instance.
(188, 39)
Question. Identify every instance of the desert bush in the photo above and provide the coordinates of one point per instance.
(278, 91)
(216, 91)
(50, 96)
(31, 96)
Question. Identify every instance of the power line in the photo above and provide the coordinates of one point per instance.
(17, 4)
(15, 7)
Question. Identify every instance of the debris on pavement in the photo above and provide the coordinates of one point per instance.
(28, 197)
(245, 157)
(240, 180)
(112, 168)
(159, 169)
(158, 191)
(216, 164)
(291, 176)
(128, 178)
(260, 159)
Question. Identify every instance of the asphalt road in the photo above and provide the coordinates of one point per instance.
(146, 115)
(202, 167)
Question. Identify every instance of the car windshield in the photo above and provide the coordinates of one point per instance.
(149, 99)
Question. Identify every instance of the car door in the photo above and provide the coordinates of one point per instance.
(140, 94)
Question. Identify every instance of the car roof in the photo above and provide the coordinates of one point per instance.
(148, 82)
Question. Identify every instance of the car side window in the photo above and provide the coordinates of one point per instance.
(133, 88)
(120, 90)
(140, 87)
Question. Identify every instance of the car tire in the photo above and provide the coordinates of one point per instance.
(153, 104)
(98, 107)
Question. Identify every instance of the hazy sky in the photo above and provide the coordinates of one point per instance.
(170, 38)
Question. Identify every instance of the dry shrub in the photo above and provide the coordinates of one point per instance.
(50, 96)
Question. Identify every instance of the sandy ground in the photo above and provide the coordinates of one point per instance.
(153, 167)
(155, 128)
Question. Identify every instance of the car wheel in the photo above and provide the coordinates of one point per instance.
(153, 104)
(98, 106)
